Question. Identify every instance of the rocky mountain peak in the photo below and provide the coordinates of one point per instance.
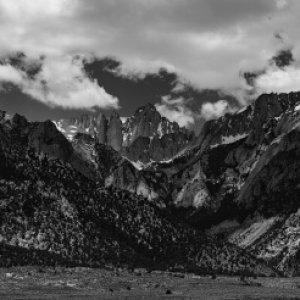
(148, 135)
(249, 122)
(148, 122)
(153, 136)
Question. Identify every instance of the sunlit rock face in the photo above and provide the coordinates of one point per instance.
(148, 122)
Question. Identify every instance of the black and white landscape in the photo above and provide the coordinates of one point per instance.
(149, 149)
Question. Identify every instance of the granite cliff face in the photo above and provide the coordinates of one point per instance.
(147, 136)
(148, 122)
(144, 137)
(244, 172)
(104, 131)
(111, 169)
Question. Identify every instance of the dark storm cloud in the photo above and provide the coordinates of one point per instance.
(199, 39)
(180, 100)
(191, 37)
(283, 58)
(174, 15)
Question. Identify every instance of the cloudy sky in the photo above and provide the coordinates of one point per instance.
(209, 44)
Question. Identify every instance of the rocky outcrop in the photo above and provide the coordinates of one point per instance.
(273, 239)
(44, 137)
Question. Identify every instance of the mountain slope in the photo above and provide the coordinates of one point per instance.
(111, 169)
(245, 166)
(46, 205)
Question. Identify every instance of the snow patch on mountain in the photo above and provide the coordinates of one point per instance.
(124, 119)
(230, 139)
(68, 130)
(241, 110)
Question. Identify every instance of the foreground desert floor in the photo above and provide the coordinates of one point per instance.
(84, 283)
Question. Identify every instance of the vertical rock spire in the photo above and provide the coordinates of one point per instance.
(114, 133)
(101, 128)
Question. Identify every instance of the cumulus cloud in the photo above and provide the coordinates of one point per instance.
(279, 80)
(9, 74)
(176, 111)
(281, 75)
(215, 110)
(208, 42)
(61, 82)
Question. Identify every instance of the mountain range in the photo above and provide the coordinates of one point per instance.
(143, 191)
(144, 137)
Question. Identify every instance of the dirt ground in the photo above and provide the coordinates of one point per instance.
(85, 283)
